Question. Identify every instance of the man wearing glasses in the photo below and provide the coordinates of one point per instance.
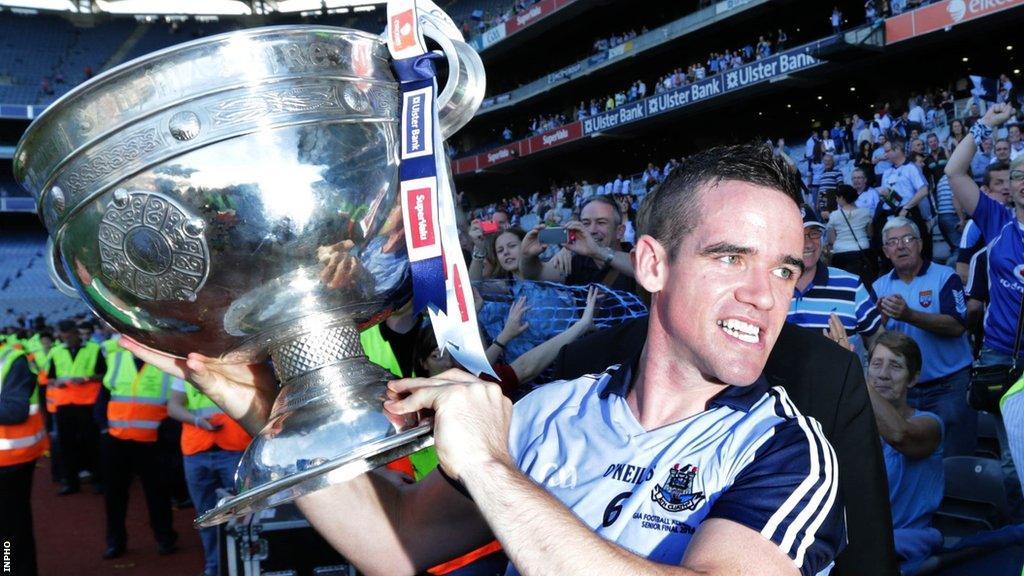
(824, 295)
(925, 300)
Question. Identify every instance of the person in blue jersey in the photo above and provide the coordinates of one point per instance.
(1001, 231)
(682, 460)
(926, 301)
(822, 291)
(996, 185)
(911, 444)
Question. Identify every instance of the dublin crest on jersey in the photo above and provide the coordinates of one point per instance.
(677, 494)
(924, 298)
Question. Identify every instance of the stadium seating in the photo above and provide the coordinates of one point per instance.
(25, 287)
(974, 498)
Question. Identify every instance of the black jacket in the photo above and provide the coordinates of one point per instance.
(826, 383)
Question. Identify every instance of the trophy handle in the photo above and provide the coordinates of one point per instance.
(464, 91)
(56, 271)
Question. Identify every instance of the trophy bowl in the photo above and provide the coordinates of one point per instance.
(237, 196)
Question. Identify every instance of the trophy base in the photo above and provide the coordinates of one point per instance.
(328, 424)
(341, 469)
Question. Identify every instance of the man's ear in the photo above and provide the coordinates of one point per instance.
(650, 264)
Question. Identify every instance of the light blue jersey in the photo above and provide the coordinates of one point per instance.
(935, 290)
(750, 458)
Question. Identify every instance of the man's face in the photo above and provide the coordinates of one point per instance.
(501, 219)
(893, 153)
(599, 219)
(726, 293)
(986, 145)
(917, 145)
(812, 246)
(889, 376)
(1013, 133)
(903, 248)
(1003, 151)
(859, 181)
(999, 186)
(1016, 185)
(828, 162)
(933, 142)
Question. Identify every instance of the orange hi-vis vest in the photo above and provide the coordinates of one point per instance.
(83, 365)
(138, 398)
(230, 436)
(20, 443)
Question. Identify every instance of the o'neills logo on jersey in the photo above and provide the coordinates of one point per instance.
(1018, 272)
(403, 30)
(549, 139)
(677, 494)
(420, 217)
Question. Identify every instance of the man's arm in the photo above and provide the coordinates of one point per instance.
(941, 324)
(541, 536)
(391, 529)
(530, 266)
(16, 392)
(950, 319)
(965, 190)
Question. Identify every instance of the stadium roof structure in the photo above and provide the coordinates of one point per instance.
(192, 7)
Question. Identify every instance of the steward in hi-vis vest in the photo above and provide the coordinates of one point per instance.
(22, 440)
(212, 444)
(136, 402)
(73, 383)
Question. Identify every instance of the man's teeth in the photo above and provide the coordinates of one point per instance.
(741, 330)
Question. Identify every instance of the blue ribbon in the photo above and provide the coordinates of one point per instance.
(428, 276)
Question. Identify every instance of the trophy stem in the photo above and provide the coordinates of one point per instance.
(327, 425)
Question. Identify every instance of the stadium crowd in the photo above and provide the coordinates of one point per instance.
(560, 292)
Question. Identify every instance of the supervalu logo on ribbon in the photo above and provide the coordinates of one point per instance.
(421, 232)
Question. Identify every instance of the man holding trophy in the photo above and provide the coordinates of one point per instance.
(682, 461)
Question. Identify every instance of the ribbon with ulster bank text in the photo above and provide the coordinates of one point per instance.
(439, 272)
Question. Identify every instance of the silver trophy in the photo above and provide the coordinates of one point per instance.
(237, 196)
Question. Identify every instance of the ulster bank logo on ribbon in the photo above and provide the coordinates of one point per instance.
(417, 123)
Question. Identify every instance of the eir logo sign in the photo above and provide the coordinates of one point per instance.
(942, 15)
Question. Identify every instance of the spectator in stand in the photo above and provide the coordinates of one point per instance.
(1013, 135)
(1000, 230)
(904, 189)
(912, 442)
(981, 160)
(925, 301)
(1002, 151)
(837, 20)
(780, 40)
(863, 160)
(867, 197)
(506, 134)
(500, 217)
(915, 114)
(595, 255)
(829, 145)
(935, 160)
(950, 218)
(838, 135)
(829, 179)
(956, 134)
(823, 292)
(849, 236)
(880, 158)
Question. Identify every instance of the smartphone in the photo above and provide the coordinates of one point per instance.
(555, 236)
(489, 227)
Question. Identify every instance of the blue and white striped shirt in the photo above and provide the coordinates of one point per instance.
(834, 290)
(750, 458)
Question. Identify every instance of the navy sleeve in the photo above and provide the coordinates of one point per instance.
(952, 301)
(990, 217)
(16, 392)
(977, 277)
(790, 494)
